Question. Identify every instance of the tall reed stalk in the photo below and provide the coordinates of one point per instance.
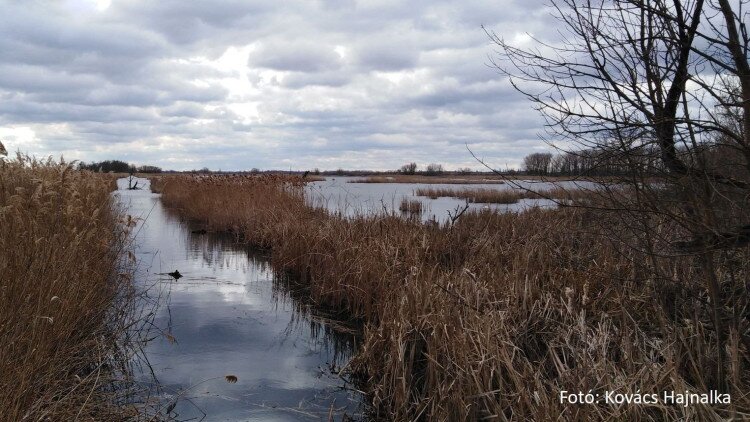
(65, 295)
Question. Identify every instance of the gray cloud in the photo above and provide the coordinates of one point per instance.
(392, 52)
(301, 56)
(235, 84)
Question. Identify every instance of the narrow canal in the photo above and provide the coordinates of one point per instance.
(228, 316)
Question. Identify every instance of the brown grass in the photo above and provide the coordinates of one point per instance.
(62, 303)
(465, 179)
(497, 196)
(504, 196)
(494, 316)
(458, 180)
(410, 206)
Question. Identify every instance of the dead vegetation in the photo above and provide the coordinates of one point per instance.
(410, 206)
(455, 180)
(65, 298)
(494, 315)
(467, 179)
(504, 196)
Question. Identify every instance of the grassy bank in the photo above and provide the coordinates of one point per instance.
(456, 180)
(465, 179)
(502, 196)
(494, 316)
(62, 304)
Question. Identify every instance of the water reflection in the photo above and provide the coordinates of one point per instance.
(229, 314)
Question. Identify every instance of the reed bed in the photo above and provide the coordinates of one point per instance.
(65, 295)
(410, 206)
(504, 196)
(496, 196)
(467, 179)
(454, 180)
(490, 317)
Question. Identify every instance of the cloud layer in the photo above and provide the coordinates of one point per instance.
(236, 84)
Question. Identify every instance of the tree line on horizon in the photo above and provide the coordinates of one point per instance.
(611, 160)
(117, 166)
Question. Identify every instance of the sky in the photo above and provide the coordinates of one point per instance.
(241, 84)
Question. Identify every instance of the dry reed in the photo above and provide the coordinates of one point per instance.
(465, 179)
(455, 180)
(504, 196)
(493, 316)
(410, 206)
(63, 305)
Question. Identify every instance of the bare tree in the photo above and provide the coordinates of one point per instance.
(434, 168)
(538, 163)
(409, 168)
(660, 91)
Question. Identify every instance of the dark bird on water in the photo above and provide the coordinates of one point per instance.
(176, 274)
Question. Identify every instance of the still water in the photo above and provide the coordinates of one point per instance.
(228, 315)
(338, 195)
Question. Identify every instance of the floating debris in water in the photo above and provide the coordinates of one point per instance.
(174, 274)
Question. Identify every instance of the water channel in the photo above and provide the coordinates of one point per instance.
(229, 315)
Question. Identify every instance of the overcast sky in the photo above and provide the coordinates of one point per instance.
(237, 84)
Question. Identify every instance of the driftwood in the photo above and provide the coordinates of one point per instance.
(132, 186)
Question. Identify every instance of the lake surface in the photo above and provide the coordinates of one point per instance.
(338, 195)
(228, 315)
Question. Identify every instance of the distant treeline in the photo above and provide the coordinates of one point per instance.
(610, 161)
(431, 169)
(587, 163)
(644, 160)
(117, 166)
